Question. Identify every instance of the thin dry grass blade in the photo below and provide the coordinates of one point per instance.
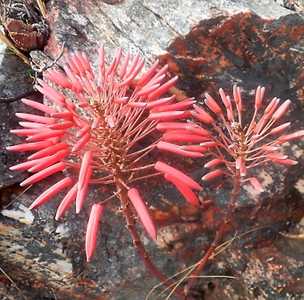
(188, 270)
(42, 8)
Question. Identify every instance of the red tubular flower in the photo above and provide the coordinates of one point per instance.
(142, 212)
(212, 175)
(51, 192)
(234, 148)
(91, 132)
(176, 149)
(92, 229)
(185, 190)
(178, 175)
(66, 202)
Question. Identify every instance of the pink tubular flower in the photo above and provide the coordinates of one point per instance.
(234, 147)
(142, 212)
(185, 190)
(92, 229)
(91, 132)
(178, 175)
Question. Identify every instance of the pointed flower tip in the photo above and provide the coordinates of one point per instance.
(281, 110)
(93, 229)
(51, 192)
(188, 194)
(143, 212)
(212, 104)
(201, 115)
(58, 167)
(281, 159)
(66, 202)
(85, 167)
(213, 163)
(212, 175)
(259, 94)
(178, 175)
(296, 135)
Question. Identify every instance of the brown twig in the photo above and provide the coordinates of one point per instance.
(10, 280)
(189, 270)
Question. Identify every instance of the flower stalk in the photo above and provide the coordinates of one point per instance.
(233, 147)
(99, 129)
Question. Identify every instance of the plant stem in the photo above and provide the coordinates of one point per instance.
(219, 233)
(204, 260)
(235, 194)
(122, 194)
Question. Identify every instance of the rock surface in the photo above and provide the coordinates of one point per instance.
(145, 26)
(209, 44)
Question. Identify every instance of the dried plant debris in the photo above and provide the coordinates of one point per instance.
(21, 214)
(296, 5)
(24, 24)
(12, 47)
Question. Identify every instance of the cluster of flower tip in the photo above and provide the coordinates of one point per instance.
(91, 131)
(233, 147)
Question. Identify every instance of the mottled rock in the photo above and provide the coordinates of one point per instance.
(209, 44)
(14, 81)
(146, 26)
(217, 53)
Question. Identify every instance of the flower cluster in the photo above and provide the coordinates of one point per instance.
(234, 146)
(99, 130)
(93, 130)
